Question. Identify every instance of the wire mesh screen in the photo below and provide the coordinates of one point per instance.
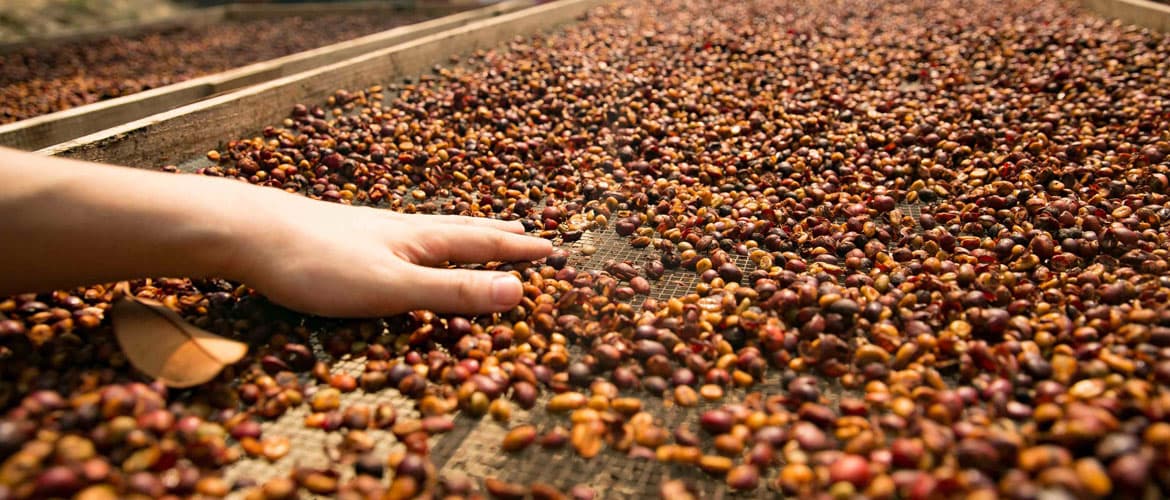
(472, 448)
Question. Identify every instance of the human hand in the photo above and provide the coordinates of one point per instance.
(312, 256)
(343, 261)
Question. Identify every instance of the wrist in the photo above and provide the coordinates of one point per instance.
(224, 227)
(250, 224)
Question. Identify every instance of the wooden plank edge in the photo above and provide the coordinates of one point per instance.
(1144, 13)
(306, 60)
(54, 128)
(60, 126)
(185, 132)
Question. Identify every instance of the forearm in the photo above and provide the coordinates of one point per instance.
(66, 223)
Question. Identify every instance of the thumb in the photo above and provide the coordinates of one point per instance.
(460, 290)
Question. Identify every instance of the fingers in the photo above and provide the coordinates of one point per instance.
(459, 291)
(479, 244)
(511, 226)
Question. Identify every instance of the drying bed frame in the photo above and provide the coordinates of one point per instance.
(182, 136)
(61, 126)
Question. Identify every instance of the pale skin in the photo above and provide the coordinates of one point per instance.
(68, 223)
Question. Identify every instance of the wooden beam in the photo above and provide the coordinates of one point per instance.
(1145, 13)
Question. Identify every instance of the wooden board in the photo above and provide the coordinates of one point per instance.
(53, 128)
(191, 130)
(1143, 13)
